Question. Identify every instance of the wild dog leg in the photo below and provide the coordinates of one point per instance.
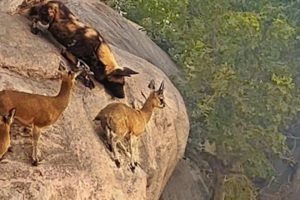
(69, 56)
(78, 63)
(75, 61)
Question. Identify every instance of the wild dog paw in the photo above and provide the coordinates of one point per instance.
(35, 27)
(87, 82)
(34, 30)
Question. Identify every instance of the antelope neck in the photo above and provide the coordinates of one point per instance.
(64, 93)
(147, 109)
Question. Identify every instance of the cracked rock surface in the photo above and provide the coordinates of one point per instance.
(76, 163)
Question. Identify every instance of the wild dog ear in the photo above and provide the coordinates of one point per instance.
(52, 10)
(124, 72)
(115, 78)
(33, 11)
(152, 85)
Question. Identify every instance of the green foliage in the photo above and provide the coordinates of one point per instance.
(239, 187)
(239, 60)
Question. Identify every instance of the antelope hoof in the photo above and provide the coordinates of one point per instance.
(132, 168)
(10, 149)
(35, 163)
(134, 163)
(109, 147)
(118, 164)
(27, 130)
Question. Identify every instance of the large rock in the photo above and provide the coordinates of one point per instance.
(116, 30)
(186, 182)
(76, 163)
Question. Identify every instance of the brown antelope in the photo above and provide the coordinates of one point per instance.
(119, 120)
(5, 123)
(38, 111)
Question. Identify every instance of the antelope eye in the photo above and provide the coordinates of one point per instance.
(161, 99)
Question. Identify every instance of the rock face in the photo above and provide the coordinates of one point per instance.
(77, 164)
(185, 183)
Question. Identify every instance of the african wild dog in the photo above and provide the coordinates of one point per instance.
(81, 42)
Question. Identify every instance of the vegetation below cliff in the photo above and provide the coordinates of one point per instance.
(241, 86)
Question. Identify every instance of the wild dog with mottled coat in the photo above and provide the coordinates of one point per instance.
(81, 42)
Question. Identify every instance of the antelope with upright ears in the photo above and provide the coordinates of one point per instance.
(38, 111)
(5, 123)
(119, 120)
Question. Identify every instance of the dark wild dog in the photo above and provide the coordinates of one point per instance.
(81, 42)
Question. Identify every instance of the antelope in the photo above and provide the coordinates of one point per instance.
(82, 42)
(5, 123)
(119, 121)
(38, 111)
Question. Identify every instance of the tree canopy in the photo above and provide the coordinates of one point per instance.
(240, 64)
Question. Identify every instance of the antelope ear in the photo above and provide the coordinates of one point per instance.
(161, 88)
(11, 115)
(152, 85)
(124, 72)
